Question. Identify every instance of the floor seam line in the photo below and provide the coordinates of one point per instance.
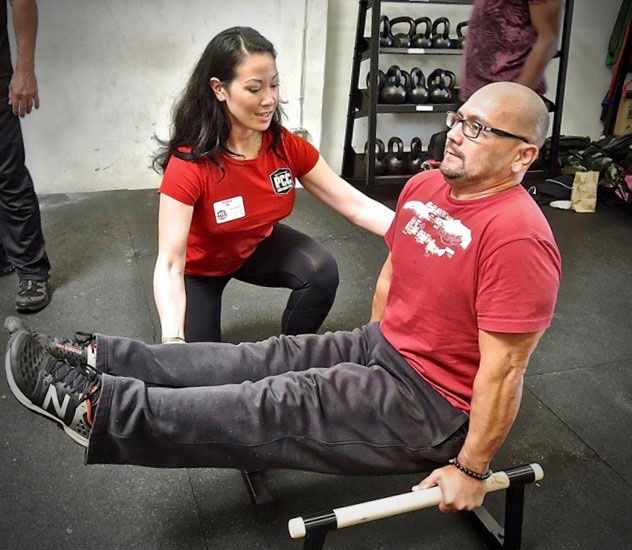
(577, 368)
(610, 467)
(197, 510)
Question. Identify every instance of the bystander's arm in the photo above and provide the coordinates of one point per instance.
(23, 93)
(545, 18)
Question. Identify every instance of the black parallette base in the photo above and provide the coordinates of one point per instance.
(496, 537)
(509, 537)
(262, 499)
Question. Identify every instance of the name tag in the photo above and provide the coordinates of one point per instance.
(229, 209)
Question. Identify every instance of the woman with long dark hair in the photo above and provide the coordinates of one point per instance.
(229, 172)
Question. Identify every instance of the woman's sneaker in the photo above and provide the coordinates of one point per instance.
(62, 392)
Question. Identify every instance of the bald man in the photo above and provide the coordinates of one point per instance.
(467, 289)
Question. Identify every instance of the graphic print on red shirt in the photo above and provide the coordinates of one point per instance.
(460, 266)
(235, 210)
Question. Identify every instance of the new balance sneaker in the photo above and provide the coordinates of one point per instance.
(55, 389)
(32, 295)
(82, 350)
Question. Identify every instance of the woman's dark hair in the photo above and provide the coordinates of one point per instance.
(199, 120)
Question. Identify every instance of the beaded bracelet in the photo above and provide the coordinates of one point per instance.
(469, 472)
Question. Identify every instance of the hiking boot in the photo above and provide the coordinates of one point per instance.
(61, 392)
(6, 270)
(32, 295)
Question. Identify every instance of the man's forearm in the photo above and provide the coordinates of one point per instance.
(25, 27)
(495, 404)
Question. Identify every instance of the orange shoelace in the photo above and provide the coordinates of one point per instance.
(91, 406)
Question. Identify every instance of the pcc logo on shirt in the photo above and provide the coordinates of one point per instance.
(282, 181)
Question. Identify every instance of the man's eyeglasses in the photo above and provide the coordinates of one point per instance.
(472, 129)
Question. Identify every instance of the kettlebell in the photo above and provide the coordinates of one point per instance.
(441, 40)
(459, 33)
(379, 168)
(422, 39)
(438, 88)
(393, 91)
(416, 156)
(407, 81)
(451, 82)
(386, 38)
(402, 40)
(394, 159)
(417, 92)
(380, 80)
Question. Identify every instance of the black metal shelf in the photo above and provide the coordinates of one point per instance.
(423, 51)
(549, 104)
(363, 103)
(410, 108)
(358, 177)
(366, 54)
(456, 2)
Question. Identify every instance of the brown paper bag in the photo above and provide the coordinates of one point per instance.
(584, 194)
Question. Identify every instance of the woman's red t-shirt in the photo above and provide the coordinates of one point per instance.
(234, 211)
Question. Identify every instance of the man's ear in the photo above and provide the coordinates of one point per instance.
(525, 156)
(218, 88)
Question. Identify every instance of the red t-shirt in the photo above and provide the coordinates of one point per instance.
(500, 36)
(460, 266)
(233, 212)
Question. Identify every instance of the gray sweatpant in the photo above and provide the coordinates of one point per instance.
(341, 402)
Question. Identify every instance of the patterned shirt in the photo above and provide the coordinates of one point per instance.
(500, 36)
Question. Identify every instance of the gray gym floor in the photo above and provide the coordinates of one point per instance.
(576, 416)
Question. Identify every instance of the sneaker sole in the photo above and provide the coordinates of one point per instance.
(13, 324)
(17, 393)
(33, 308)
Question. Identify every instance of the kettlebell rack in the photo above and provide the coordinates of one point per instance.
(359, 168)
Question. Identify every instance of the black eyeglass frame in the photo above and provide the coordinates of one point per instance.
(480, 127)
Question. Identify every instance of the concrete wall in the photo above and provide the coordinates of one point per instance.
(109, 72)
(587, 82)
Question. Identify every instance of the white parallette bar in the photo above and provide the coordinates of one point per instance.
(399, 504)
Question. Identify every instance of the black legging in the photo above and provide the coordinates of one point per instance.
(286, 259)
